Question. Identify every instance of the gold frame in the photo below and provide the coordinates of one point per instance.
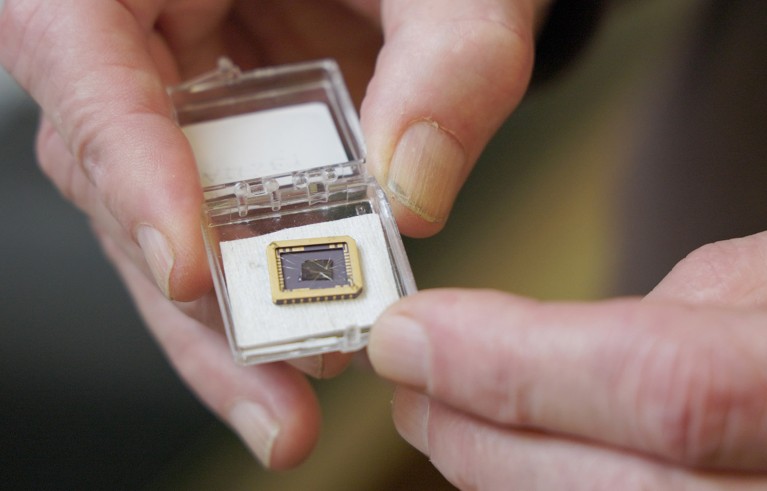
(282, 296)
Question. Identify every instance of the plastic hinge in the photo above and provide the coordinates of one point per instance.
(352, 340)
(310, 187)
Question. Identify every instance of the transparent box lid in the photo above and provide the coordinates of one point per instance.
(303, 247)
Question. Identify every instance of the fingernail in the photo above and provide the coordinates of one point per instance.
(399, 350)
(411, 418)
(425, 171)
(256, 429)
(158, 254)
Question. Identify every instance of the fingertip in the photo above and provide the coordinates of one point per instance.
(281, 442)
(159, 199)
(257, 429)
(292, 448)
(299, 429)
(281, 427)
(410, 340)
(177, 258)
(400, 349)
(427, 170)
(409, 222)
(447, 77)
(271, 407)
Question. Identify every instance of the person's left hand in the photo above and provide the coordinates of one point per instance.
(664, 393)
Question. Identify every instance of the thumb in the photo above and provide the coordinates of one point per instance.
(448, 75)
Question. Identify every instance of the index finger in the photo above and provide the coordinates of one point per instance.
(91, 66)
(683, 383)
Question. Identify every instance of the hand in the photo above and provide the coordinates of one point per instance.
(99, 68)
(664, 393)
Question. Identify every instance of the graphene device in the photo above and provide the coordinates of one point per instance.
(314, 270)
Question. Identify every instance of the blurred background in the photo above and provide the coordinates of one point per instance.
(89, 402)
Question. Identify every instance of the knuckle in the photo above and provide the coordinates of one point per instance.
(500, 50)
(515, 404)
(98, 114)
(59, 166)
(712, 261)
(85, 146)
(502, 388)
(730, 271)
(691, 411)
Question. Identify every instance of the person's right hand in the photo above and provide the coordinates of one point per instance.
(664, 393)
(448, 74)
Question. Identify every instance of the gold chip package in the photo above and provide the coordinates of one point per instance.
(314, 270)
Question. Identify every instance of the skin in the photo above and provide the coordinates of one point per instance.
(668, 392)
(665, 392)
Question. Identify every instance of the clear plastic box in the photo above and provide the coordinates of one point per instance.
(303, 248)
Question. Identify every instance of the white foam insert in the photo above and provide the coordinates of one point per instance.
(257, 320)
(265, 143)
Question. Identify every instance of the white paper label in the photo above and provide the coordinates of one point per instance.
(257, 320)
(264, 143)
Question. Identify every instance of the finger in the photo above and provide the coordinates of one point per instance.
(474, 454)
(272, 407)
(289, 31)
(732, 272)
(686, 384)
(327, 365)
(62, 169)
(194, 34)
(88, 64)
(59, 165)
(448, 75)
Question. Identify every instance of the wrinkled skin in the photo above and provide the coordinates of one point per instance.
(668, 392)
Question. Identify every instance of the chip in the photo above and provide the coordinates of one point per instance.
(314, 270)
